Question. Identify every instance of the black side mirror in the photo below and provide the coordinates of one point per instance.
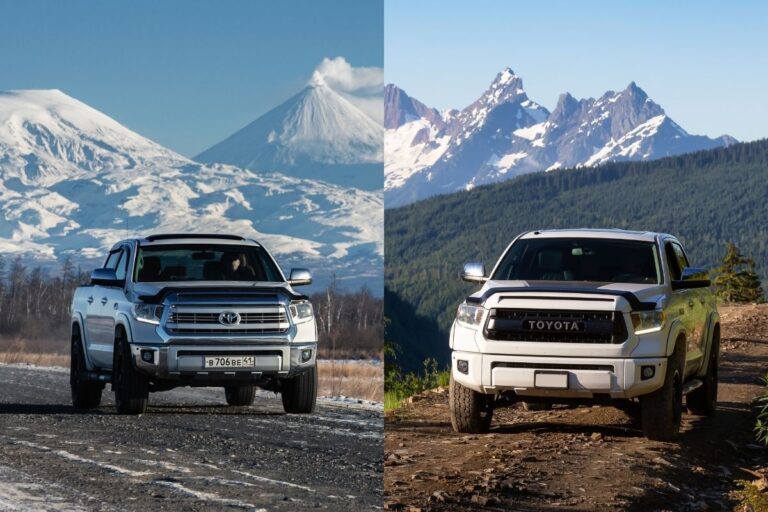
(106, 277)
(692, 277)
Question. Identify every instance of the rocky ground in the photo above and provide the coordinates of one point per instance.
(585, 458)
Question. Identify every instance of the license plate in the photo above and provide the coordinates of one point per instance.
(229, 361)
(552, 380)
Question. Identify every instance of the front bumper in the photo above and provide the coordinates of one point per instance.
(586, 377)
(182, 362)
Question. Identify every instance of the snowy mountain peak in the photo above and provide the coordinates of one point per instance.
(306, 134)
(46, 133)
(505, 76)
(506, 87)
(400, 108)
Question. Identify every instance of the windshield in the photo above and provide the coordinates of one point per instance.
(205, 262)
(580, 259)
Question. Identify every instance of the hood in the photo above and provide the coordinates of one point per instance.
(156, 291)
(636, 296)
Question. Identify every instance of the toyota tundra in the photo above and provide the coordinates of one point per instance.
(587, 316)
(192, 310)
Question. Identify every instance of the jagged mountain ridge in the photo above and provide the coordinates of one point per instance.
(73, 181)
(505, 134)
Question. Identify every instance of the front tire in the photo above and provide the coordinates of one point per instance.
(299, 393)
(239, 395)
(131, 388)
(703, 401)
(85, 394)
(662, 410)
(471, 412)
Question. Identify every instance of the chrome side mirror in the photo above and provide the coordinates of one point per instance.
(474, 273)
(300, 277)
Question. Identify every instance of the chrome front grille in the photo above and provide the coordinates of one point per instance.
(255, 319)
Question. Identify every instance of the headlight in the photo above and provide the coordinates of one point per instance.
(470, 316)
(301, 312)
(648, 321)
(148, 313)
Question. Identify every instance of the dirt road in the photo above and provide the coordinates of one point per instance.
(585, 458)
(189, 452)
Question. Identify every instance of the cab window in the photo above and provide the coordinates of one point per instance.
(122, 265)
(113, 259)
(682, 261)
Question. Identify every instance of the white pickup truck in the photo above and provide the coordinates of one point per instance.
(587, 316)
(192, 310)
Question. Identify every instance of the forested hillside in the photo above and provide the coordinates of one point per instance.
(706, 198)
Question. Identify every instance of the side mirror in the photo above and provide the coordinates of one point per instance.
(692, 277)
(299, 277)
(106, 277)
(474, 273)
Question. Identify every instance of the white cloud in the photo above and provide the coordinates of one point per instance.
(363, 86)
(342, 76)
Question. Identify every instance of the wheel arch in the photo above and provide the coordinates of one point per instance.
(122, 323)
(77, 329)
(713, 326)
(676, 332)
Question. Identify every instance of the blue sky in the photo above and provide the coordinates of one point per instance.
(704, 62)
(183, 73)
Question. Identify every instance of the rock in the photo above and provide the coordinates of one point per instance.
(596, 436)
(478, 499)
(439, 496)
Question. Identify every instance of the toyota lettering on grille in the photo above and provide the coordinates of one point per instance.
(229, 318)
(554, 325)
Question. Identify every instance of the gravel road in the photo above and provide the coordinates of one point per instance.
(189, 452)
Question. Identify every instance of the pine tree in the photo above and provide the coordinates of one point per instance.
(736, 279)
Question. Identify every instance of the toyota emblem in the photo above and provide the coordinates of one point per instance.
(229, 318)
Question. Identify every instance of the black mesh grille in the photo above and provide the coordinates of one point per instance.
(556, 326)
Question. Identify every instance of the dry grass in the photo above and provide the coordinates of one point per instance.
(18, 356)
(356, 379)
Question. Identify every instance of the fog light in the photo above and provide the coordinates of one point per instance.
(462, 366)
(148, 356)
(306, 355)
(647, 372)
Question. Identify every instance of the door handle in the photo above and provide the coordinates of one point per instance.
(90, 300)
(104, 301)
(114, 306)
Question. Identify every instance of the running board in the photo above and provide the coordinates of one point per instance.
(692, 385)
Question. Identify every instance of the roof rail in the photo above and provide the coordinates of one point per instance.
(171, 236)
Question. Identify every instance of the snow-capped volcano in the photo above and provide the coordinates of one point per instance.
(505, 134)
(316, 134)
(73, 181)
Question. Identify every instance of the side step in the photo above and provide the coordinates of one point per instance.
(692, 385)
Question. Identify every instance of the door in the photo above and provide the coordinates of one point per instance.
(697, 343)
(100, 317)
(685, 305)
